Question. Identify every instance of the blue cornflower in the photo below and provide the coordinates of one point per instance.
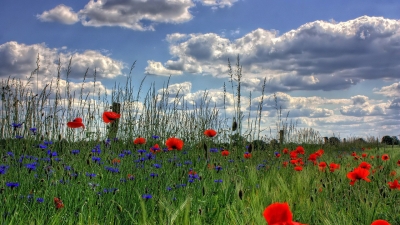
(67, 168)
(169, 188)
(40, 200)
(46, 159)
(16, 125)
(90, 175)
(3, 169)
(19, 137)
(12, 184)
(188, 162)
(153, 175)
(155, 137)
(31, 166)
(231, 160)
(213, 150)
(33, 130)
(157, 166)
(96, 159)
(41, 146)
(147, 196)
(218, 181)
(10, 154)
(150, 156)
(112, 169)
(96, 149)
(51, 154)
(75, 151)
(218, 168)
(128, 152)
(115, 139)
(107, 142)
(141, 151)
(122, 180)
(47, 142)
(122, 155)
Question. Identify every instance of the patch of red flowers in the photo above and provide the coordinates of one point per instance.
(365, 165)
(174, 143)
(139, 141)
(279, 214)
(385, 157)
(333, 167)
(210, 133)
(394, 185)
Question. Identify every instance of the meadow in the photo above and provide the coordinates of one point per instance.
(129, 170)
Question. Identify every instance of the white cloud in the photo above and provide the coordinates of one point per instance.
(60, 14)
(177, 89)
(392, 90)
(156, 68)
(218, 3)
(316, 56)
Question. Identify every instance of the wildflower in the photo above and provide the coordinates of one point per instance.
(224, 152)
(58, 203)
(218, 181)
(213, 150)
(298, 168)
(218, 168)
(112, 169)
(157, 166)
(313, 158)
(76, 123)
(139, 141)
(75, 152)
(155, 137)
(153, 175)
(90, 175)
(109, 117)
(174, 143)
(96, 159)
(277, 154)
(19, 136)
(130, 177)
(279, 213)
(385, 157)
(300, 150)
(147, 196)
(293, 154)
(33, 130)
(319, 152)
(398, 162)
(322, 166)
(380, 222)
(31, 166)
(364, 155)
(115, 161)
(358, 174)
(16, 125)
(353, 154)
(40, 200)
(285, 163)
(285, 151)
(394, 185)
(155, 149)
(333, 167)
(247, 155)
(393, 173)
(12, 185)
(365, 165)
(3, 169)
(210, 133)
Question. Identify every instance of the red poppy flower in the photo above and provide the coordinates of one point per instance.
(76, 123)
(109, 117)
(277, 155)
(58, 203)
(116, 161)
(300, 150)
(393, 173)
(293, 154)
(139, 141)
(319, 152)
(322, 166)
(225, 152)
(313, 157)
(354, 154)
(358, 174)
(364, 155)
(380, 222)
(385, 157)
(333, 167)
(155, 149)
(298, 168)
(192, 172)
(365, 165)
(285, 164)
(394, 185)
(174, 143)
(398, 162)
(247, 155)
(279, 214)
(130, 177)
(285, 151)
(210, 133)
(372, 157)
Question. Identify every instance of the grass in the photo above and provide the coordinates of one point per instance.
(105, 193)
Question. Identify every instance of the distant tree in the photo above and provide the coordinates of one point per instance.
(360, 141)
(334, 141)
(387, 140)
(396, 141)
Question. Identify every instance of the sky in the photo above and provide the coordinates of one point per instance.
(334, 66)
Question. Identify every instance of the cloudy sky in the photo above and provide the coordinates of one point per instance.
(334, 66)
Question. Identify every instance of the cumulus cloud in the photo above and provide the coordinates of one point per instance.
(215, 4)
(156, 68)
(392, 90)
(178, 89)
(60, 14)
(318, 55)
(364, 110)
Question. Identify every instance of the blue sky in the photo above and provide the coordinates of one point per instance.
(334, 66)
